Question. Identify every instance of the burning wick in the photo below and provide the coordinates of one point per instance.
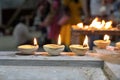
(85, 43)
(35, 42)
(54, 49)
(80, 49)
(106, 37)
(59, 40)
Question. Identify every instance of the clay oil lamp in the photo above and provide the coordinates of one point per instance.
(80, 25)
(103, 43)
(54, 49)
(117, 45)
(80, 49)
(28, 49)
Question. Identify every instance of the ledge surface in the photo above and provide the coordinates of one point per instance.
(39, 67)
(112, 70)
(10, 58)
(111, 62)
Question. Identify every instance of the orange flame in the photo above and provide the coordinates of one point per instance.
(101, 24)
(59, 39)
(35, 41)
(94, 22)
(86, 27)
(80, 25)
(85, 40)
(106, 37)
(108, 24)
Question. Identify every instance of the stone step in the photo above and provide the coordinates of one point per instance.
(10, 58)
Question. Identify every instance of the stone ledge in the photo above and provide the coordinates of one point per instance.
(112, 70)
(51, 73)
(50, 67)
(10, 58)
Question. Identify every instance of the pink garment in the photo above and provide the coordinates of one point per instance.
(54, 27)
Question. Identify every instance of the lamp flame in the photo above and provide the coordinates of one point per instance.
(35, 42)
(106, 37)
(94, 23)
(101, 24)
(85, 43)
(86, 27)
(59, 39)
(80, 25)
(108, 24)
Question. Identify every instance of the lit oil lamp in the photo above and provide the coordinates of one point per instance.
(28, 49)
(100, 25)
(80, 25)
(108, 25)
(80, 49)
(103, 43)
(54, 49)
(86, 27)
(95, 24)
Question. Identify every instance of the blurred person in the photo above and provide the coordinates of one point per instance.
(91, 10)
(116, 12)
(107, 8)
(115, 17)
(65, 27)
(21, 33)
(94, 8)
(2, 31)
(97, 8)
(75, 9)
(73, 13)
(42, 11)
(51, 21)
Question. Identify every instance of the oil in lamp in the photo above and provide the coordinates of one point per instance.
(80, 49)
(54, 49)
(28, 49)
(103, 43)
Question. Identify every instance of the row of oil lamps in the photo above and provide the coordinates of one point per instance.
(95, 25)
(56, 49)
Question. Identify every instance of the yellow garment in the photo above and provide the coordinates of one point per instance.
(74, 11)
(74, 19)
(65, 34)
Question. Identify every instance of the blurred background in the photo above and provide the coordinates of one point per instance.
(22, 20)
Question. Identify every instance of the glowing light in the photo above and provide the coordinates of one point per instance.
(85, 43)
(106, 37)
(80, 25)
(35, 41)
(59, 39)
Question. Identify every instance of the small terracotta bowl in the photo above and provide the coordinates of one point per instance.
(53, 49)
(79, 49)
(27, 49)
(117, 44)
(102, 44)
